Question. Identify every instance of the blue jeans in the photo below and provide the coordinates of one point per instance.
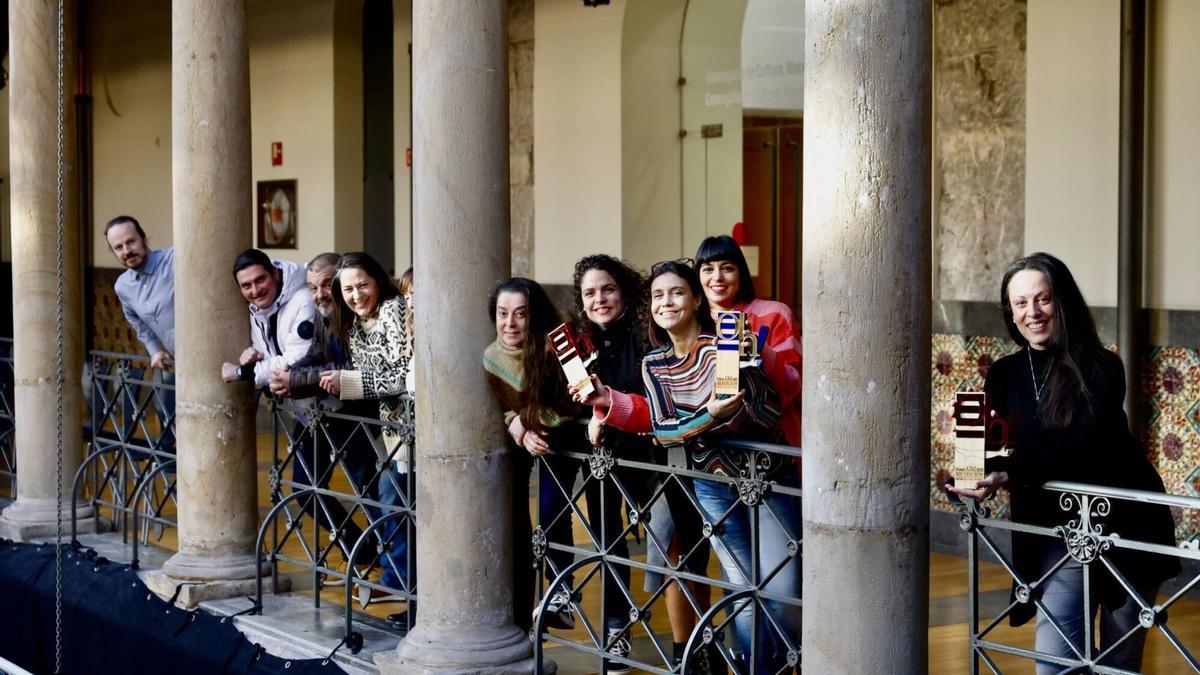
(393, 489)
(1062, 595)
(778, 522)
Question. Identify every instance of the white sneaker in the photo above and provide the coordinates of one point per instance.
(618, 645)
(558, 610)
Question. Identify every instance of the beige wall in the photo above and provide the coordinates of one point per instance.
(1173, 222)
(401, 114)
(131, 119)
(650, 144)
(712, 168)
(577, 127)
(293, 85)
(1072, 121)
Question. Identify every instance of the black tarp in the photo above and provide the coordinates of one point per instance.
(111, 623)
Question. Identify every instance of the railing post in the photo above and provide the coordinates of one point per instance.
(972, 587)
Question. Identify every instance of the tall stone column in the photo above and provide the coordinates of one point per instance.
(33, 149)
(464, 479)
(210, 119)
(866, 304)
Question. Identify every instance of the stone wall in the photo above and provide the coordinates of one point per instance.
(980, 143)
(520, 133)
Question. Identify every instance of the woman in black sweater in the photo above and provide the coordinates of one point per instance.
(1062, 397)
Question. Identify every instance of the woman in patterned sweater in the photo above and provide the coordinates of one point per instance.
(371, 317)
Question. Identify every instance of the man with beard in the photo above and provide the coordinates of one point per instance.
(146, 290)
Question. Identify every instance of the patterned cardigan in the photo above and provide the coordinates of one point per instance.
(380, 359)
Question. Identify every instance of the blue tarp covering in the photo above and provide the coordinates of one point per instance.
(112, 623)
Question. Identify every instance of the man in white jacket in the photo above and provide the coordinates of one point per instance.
(282, 317)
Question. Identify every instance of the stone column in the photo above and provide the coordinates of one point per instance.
(866, 304)
(210, 119)
(464, 479)
(33, 138)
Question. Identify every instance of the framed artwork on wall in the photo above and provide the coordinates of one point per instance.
(276, 209)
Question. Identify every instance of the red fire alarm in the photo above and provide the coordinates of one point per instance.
(276, 153)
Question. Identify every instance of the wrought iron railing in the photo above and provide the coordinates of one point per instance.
(344, 509)
(8, 453)
(1085, 542)
(752, 521)
(127, 476)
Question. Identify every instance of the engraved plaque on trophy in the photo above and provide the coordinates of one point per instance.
(970, 438)
(730, 327)
(574, 353)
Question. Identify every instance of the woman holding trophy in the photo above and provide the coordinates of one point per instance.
(1061, 396)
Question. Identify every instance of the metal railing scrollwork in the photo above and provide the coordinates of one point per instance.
(129, 463)
(342, 489)
(751, 521)
(1087, 543)
(8, 454)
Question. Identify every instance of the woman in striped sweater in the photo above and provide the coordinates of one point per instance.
(679, 377)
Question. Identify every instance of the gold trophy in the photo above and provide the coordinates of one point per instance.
(575, 354)
(736, 348)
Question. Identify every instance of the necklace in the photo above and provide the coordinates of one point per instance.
(1037, 391)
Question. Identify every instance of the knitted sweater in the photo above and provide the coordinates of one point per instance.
(506, 376)
(379, 359)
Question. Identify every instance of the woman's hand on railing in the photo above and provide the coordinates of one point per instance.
(984, 488)
(595, 427)
(331, 381)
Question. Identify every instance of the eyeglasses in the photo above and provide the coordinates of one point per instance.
(659, 266)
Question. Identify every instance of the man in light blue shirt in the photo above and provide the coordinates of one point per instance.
(146, 290)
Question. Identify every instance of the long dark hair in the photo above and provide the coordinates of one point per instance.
(635, 292)
(683, 269)
(343, 316)
(543, 378)
(1075, 348)
(724, 247)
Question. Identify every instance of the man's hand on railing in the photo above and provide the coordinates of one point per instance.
(280, 382)
(249, 356)
(984, 488)
(161, 359)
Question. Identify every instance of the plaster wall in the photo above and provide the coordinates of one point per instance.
(979, 144)
(650, 144)
(577, 124)
(1072, 119)
(1173, 170)
(293, 84)
(402, 125)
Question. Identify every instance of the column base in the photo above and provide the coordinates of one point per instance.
(192, 593)
(31, 518)
(204, 577)
(462, 650)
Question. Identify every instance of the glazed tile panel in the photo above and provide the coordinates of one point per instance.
(1171, 400)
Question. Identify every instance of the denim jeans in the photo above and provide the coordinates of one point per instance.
(393, 489)
(733, 548)
(1063, 597)
(553, 505)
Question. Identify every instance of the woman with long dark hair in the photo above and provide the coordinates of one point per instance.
(1062, 394)
(371, 318)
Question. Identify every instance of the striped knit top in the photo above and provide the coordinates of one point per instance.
(678, 390)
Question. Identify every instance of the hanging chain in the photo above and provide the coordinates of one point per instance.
(59, 374)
